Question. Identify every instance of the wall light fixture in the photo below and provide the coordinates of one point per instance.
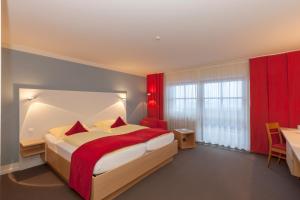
(31, 98)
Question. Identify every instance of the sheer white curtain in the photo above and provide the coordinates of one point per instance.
(214, 101)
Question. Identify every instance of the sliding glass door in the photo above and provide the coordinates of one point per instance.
(224, 113)
(217, 110)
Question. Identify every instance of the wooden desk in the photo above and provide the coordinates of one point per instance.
(292, 137)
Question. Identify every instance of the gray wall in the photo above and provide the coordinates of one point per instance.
(21, 69)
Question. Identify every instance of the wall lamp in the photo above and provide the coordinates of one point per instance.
(31, 98)
(123, 96)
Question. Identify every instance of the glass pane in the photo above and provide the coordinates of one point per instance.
(179, 91)
(232, 89)
(212, 90)
(191, 91)
(211, 111)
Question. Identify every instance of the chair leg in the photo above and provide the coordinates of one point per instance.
(269, 159)
(278, 161)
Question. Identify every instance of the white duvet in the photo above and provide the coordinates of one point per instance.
(114, 159)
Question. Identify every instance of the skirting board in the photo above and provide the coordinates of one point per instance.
(21, 165)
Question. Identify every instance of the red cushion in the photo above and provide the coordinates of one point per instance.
(118, 122)
(77, 128)
(149, 123)
(279, 146)
(162, 124)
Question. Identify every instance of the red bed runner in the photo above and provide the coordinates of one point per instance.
(86, 156)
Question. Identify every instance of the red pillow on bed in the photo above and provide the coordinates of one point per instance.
(118, 122)
(77, 128)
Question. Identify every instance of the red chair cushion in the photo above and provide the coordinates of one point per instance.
(119, 122)
(279, 146)
(77, 128)
(149, 123)
(154, 123)
(162, 124)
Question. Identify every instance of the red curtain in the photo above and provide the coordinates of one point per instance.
(273, 95)
(155, 92)
(278, 89)
(294, 87)
(259, 108)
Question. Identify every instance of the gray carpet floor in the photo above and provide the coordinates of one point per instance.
(206, 173)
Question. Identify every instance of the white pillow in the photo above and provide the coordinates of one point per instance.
(104, 124)
(60, 131)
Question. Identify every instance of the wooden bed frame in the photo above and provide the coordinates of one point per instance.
(112, 183)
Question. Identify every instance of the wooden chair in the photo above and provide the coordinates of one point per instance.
(278, 149)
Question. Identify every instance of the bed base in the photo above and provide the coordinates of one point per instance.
(110, 184)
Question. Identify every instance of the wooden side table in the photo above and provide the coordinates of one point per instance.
(32, 147)
(186, 138)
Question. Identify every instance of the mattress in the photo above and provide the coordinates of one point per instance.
(114, 159)
(152, 144)
(159, 142)
(108, 162)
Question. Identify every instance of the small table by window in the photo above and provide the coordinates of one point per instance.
(186, 138)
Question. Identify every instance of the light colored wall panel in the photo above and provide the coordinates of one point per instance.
(41, 110)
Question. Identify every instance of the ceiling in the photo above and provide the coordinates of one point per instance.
(120, 34)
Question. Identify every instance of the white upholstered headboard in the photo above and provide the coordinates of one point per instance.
(42, 109)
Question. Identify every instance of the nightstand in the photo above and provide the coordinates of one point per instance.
(32, 147)
(186, 138)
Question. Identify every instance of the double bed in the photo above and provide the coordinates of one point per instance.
(118, 170)
(113, 171)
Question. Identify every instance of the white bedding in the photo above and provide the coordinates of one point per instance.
(108, 162)
(114, 159)
(159, 141)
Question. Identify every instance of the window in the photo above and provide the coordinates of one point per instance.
(217, 109)
(224, 116)
(183, 98)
